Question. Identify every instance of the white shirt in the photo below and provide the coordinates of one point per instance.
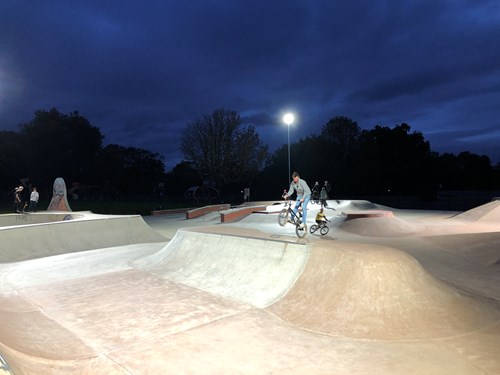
(34, 196)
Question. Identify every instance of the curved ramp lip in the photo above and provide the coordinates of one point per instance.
(24, 242)
(248, 269)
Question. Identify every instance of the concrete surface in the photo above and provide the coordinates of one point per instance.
(413, 293)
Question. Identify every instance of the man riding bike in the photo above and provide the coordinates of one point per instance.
(303, 195)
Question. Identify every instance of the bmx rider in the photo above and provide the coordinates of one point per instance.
(303, 195)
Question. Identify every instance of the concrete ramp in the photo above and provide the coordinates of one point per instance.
(8, 220)
(64, 315)
(375, 292)
(483, 248)
(487, 213)
(222, 299)
(381, 227)
(257, 271)
(354, 205)
(83, 232)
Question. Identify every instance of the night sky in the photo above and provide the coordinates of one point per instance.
(141, 70)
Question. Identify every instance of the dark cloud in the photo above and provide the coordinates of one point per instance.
(142, 71)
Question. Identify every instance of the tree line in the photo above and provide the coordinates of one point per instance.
(383, 161)
(66, 145)
(220, 150)
(356, 162)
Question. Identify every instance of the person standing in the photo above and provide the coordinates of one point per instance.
(328, 188)
(303, 191)
(315, 193)
(19, 199)
(323, 197)
(34, 199)
(325, 194)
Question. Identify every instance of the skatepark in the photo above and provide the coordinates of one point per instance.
(386, 291)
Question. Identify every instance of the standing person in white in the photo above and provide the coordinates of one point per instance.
(34, 199)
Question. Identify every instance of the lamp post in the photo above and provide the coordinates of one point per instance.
(288, 120)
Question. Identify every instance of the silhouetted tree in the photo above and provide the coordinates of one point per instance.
(12, 160)
(465, 171)
(221, 150)
(59, 145)
(394, 160)
(340, 138)
(274, 176)
(342, 135)
(309, 159)
(305, 158)
(130, 169)
(182, 176)
(447, 172)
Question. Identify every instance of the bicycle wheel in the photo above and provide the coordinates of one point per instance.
(283, 217)
(313, 228)
(301, 231)
(324, 230)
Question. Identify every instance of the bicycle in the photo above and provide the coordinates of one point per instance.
(288, 216)
(323, 228)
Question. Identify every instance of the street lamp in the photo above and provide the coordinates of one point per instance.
(288, 120)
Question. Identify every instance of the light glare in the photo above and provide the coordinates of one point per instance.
(288, 119)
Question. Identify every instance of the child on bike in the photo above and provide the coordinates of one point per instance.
(303, 195)
(321, 218)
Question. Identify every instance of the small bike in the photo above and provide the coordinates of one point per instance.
(322, 227)
(288, 216)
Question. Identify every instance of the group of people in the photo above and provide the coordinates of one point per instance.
(321, 195)
(21, 204)
(304, 193)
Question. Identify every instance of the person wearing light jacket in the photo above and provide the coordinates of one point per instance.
(303, 191)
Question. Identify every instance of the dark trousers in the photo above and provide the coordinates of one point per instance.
(32, 206)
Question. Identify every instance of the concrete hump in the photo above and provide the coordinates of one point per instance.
(381, 226)
(487, 213)
(250, 270)
(359, 205)
(376, 292)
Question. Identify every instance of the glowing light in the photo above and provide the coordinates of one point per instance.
(288, 118)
